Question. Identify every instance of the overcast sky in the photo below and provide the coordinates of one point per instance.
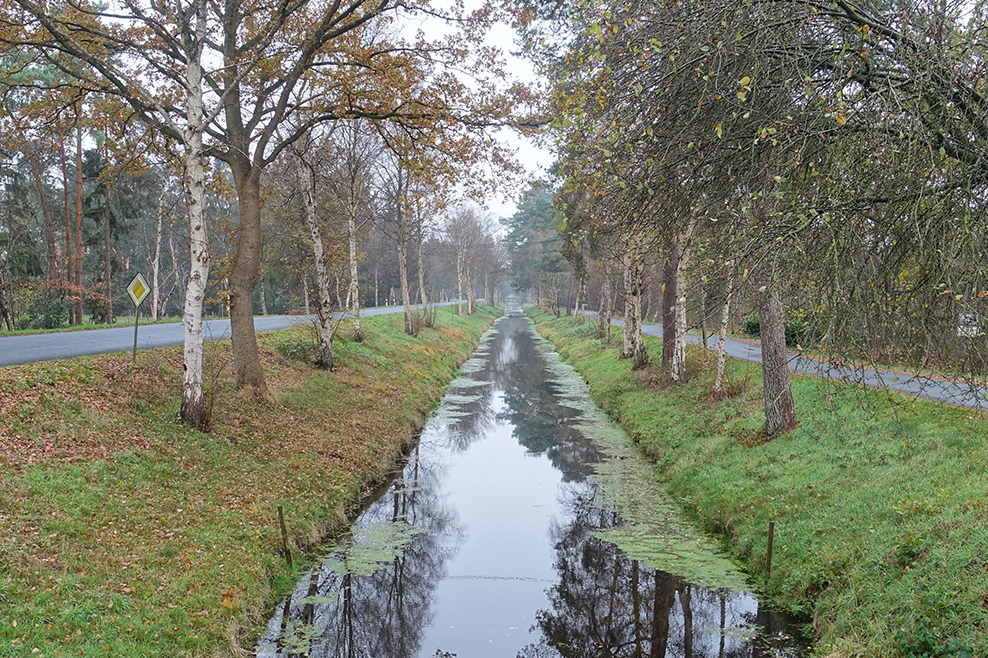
(534, 159)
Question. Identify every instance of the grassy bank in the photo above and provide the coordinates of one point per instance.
(127, 534)
(879, 502)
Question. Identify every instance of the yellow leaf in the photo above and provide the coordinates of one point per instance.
(719, 129)
(745, 81)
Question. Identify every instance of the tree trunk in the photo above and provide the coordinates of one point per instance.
(670, 294)
(307, 179)
(175, 272)
(677, 368)
(108, 270)
(459, 280)
(581, 297)
(69, 260)
(703, 317)
(569, 297)
(54, 272)
(264, 297)
(406, 299)
(243, 276)
(426, 318)
(780, 413)
(78, 225)
(603, 313)
(195, 409)
(661, 609)
(685, 601)
(377, 300)
(471, 287)
(725, 315)
(354, 291)
(156, 261)
(5, 311)
(305, 293)
(634, 342)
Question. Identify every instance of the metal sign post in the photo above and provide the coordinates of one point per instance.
(138, 291)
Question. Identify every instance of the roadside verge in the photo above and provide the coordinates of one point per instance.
(127, 534)
(879, 500)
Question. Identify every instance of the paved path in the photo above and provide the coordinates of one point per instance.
(957, 393)
(15, 350)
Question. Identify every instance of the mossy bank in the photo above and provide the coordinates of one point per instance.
(879, 501)
(127, 534)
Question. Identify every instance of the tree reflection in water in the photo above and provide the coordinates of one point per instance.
(377, 596)
(606, 604)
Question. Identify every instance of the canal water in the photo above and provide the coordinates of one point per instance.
(523, 525)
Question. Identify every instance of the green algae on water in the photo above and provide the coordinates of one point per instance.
(652, 529)
(373, 547)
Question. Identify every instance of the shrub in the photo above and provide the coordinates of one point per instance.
(47, 312)
(751, 326)
(795, 332)
(298, 346)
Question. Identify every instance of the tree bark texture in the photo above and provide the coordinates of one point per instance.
(156, 261)
(54, 272)
(725, 317)
(307, 178)
(634, 342)
(108, 271)
(69, 260)
(780, 412)
(471, 286)
(243, 276)
(670, 294)
(195, 410)
(78, 225)
(354, 291)
(406, 299)
(459, 279)
(677, 368)
(5, 310)
(426, 318)
(603, 312)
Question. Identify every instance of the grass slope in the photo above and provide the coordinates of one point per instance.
(879, 501)
(127, 534)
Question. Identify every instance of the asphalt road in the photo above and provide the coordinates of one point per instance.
(956, 393)
(16, 350)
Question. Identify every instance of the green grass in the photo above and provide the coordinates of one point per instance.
(879, 500)
(127, 534)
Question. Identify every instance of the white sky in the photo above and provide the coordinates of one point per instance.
(534, 160)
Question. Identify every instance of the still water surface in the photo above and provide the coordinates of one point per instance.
(522, 526)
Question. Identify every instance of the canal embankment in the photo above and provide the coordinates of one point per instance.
(878, 500)
(127, 534)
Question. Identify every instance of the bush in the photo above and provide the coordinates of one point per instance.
(297, 346)
(47, 312)
(925, 641)
(795, 332)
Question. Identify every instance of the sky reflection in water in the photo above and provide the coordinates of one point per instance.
(485, 546)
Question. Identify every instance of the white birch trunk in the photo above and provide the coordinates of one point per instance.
(459, 280)
(725, 318)
(156, 262)
(194, 407)
(354, 292)
(425, 301)
(471, 288)
(307, 179)
(677, 368)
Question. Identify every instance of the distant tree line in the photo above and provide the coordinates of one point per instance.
(815, 171)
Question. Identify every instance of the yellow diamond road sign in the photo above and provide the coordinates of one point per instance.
(138, 289)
